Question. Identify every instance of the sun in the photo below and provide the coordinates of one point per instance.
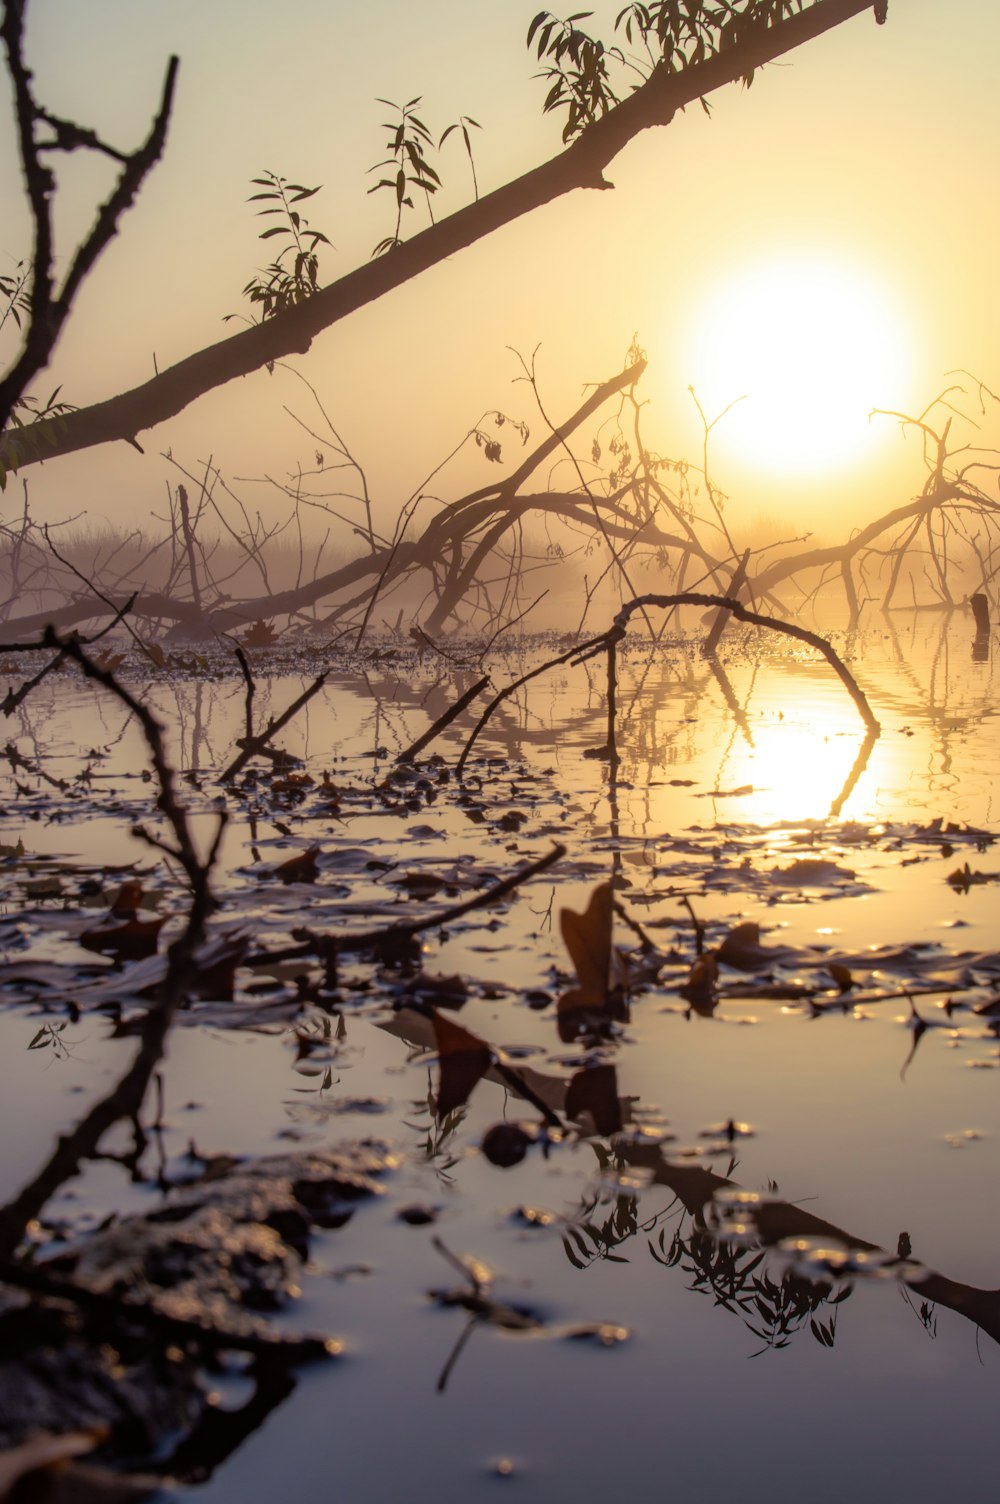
(810, 345)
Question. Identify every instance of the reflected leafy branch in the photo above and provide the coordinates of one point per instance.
(738, 1279)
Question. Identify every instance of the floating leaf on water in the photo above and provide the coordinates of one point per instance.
(963, 879)
(417, 1215)
(603, 1333)
(420, 884)
(132, 940)
(816, 1258)
(155, 653)
(733, 1215)
(730, 1130)
(602, 972)
(443, 992)
(44, 887)
(533, 1216)
(810, 872)
(260, 635)
(699, 989)
(741, 949)
(127, 901)
(292, 783)
(109, 660)
(328, 1107)
(302, 868)
(587, 937)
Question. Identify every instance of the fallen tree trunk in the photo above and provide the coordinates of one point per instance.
(491, 511)
(643, 504)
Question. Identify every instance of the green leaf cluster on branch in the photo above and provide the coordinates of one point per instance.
(293, 276)
(407, 163)
(672, 35)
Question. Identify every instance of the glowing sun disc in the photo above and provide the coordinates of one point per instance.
(813, 346)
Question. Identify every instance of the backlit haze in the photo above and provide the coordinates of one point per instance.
(823, 244)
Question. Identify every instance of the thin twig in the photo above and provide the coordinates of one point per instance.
(511, 689)
(445, 720)
(49, 309)
(251, 746)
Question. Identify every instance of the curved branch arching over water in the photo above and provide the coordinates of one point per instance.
(609, 640)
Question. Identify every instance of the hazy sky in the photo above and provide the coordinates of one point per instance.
(863, 168)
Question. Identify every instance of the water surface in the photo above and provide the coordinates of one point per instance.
(830, 1376)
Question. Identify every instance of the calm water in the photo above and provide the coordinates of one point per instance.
(729, 778)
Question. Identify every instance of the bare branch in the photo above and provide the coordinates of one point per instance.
(49, 309)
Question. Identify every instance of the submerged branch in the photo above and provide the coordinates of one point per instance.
(252, 746)
(327, 946)
(444, 721)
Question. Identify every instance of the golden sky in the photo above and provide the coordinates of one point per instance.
(858, 177)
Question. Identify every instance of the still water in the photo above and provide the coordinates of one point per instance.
(667, 1352)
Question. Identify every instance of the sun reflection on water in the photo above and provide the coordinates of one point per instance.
(796, 769)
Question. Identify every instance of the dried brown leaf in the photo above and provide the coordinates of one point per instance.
(587, 937)
(132, 940)
(699, 989)
(302, 868)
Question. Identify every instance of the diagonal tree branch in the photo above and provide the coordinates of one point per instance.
(580, 166)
